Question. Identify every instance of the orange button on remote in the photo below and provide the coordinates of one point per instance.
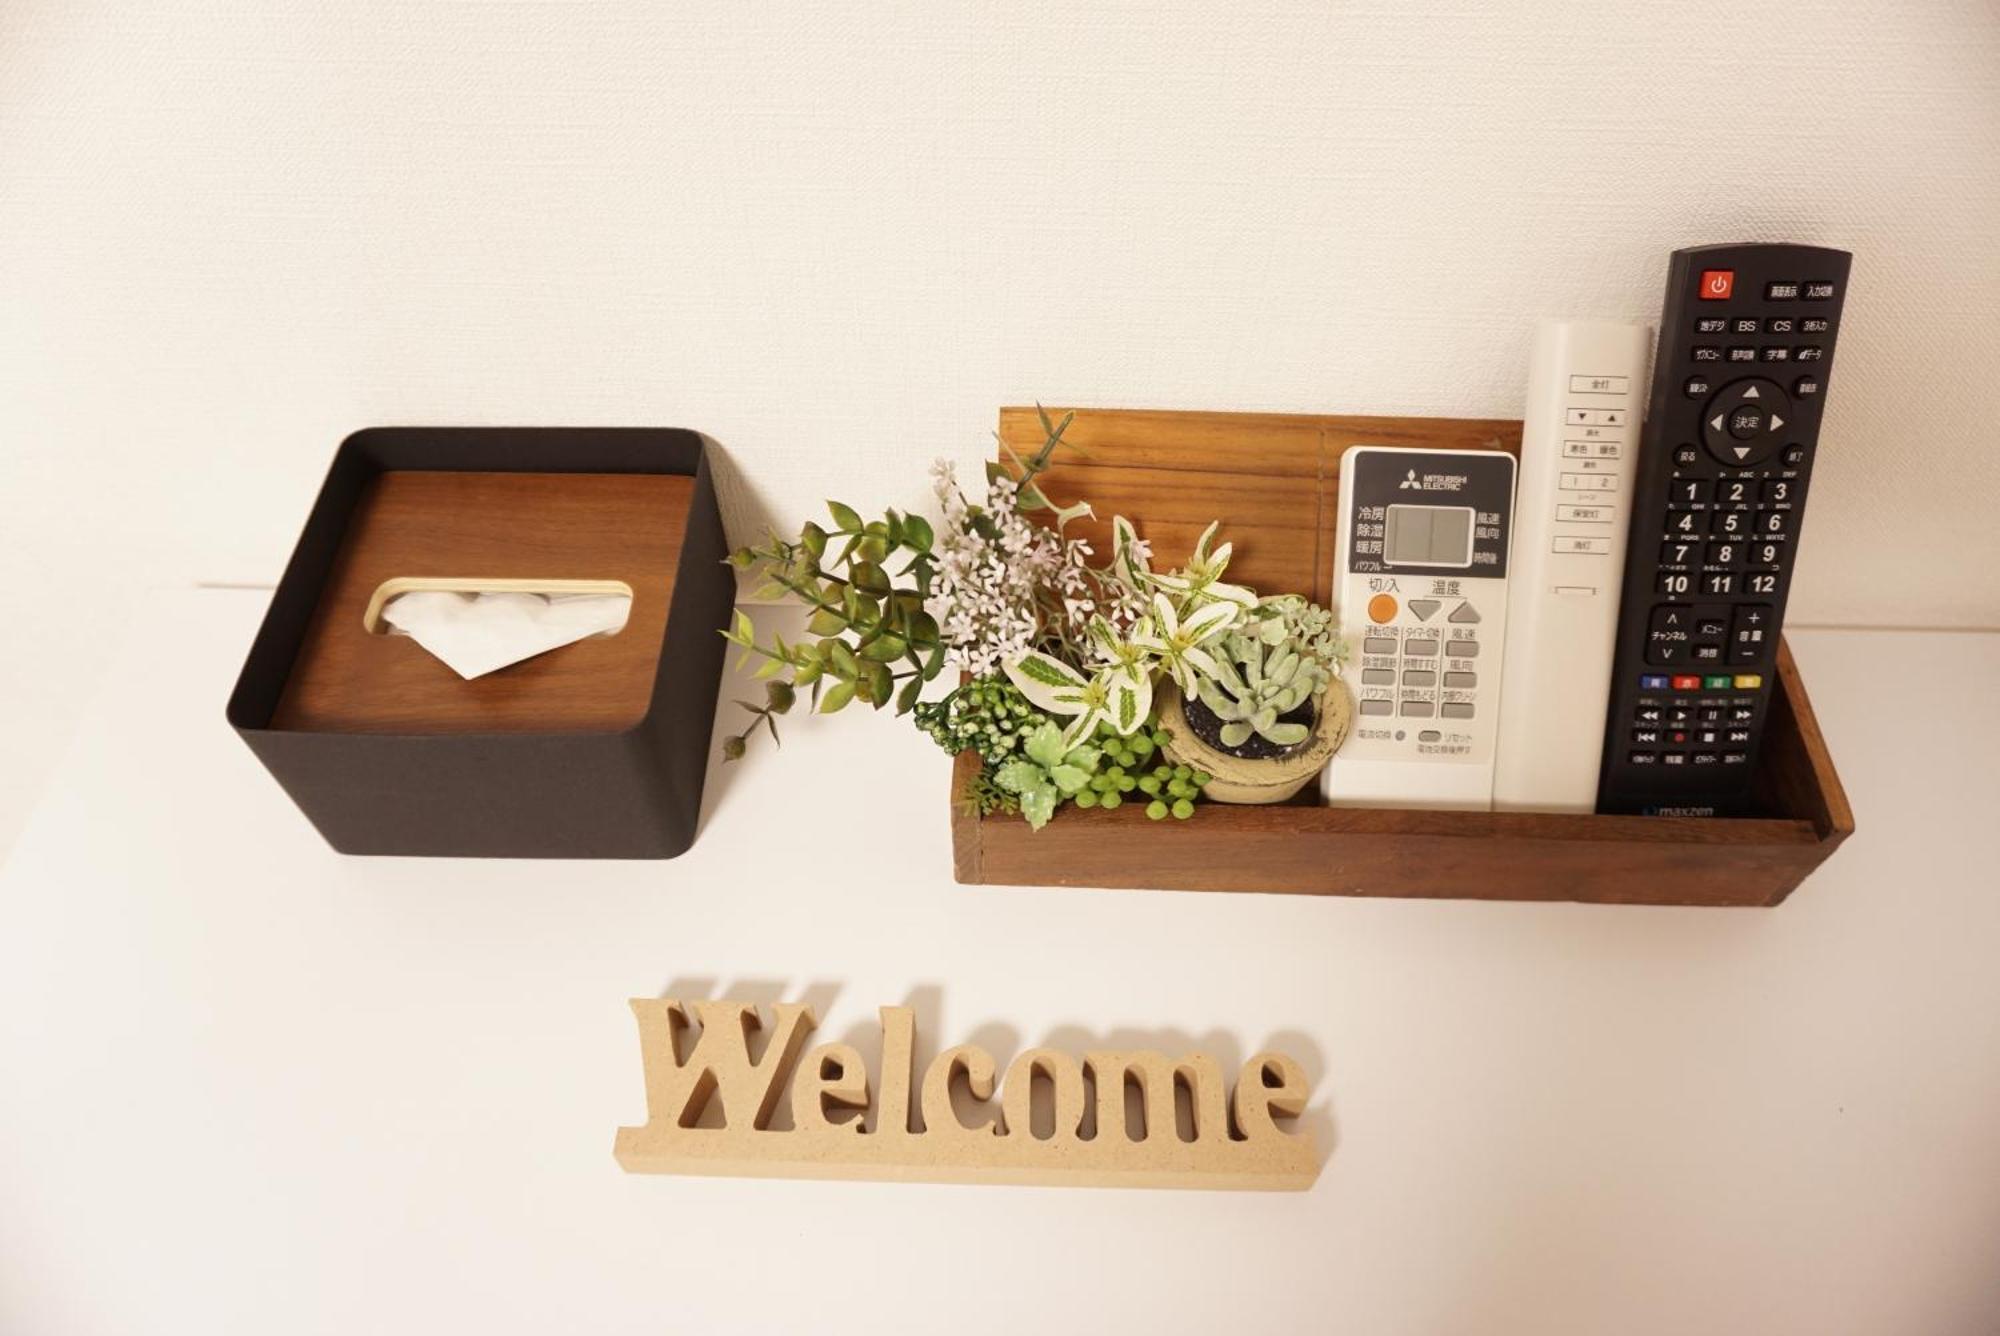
(1382, 608)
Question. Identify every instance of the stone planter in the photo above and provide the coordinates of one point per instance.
(1271, 780)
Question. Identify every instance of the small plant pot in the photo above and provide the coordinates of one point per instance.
(1237, 779)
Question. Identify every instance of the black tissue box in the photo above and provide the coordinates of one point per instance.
(594, 750)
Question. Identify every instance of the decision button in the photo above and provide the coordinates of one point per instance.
(1741, 424)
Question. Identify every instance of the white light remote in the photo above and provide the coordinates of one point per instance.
(1422, 580)
(1579, 455)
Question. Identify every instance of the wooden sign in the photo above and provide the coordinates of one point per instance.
(1058, 1121)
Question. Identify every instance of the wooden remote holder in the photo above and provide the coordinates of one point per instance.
(1273, 481)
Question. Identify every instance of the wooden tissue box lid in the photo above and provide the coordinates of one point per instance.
(473, 525)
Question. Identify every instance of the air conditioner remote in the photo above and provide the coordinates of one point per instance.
(1422, 581)
(1572, 503)
(1746, 351)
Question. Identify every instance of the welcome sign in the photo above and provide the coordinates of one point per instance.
(1059, 1121)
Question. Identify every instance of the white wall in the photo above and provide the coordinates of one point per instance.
(836, 237)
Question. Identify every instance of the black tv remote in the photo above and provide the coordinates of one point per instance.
(1745, 355)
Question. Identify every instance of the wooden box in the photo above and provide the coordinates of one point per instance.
(594, 750)
(1273, 481)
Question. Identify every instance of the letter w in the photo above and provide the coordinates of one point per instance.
(677, 1090)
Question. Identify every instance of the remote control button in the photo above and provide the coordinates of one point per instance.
(1460, 681)
(1420, 677)
(1806, 386)
(1781, 292)
(1673, 582)
(1377, 706)
(1686, 456)
(1739, 423)
(1794, 455)
(1600, 385)
(1743, 325)
(1679, 716)
(1739, 737)
(1649, 737)
(1418, 709)
(1745, 421)
(1651, 682)
(1378, 677)
(1735, 758)
(1711, 714)
(1711, 623)
(1812, 352)
(1464, 615)
(1765, 554)
(1423, 607)
(1733, 492)
(1676, 554)
(1456, 709)
(1378, 645)
(1717, 284)
(1749, 681)
(1711, 324)
(1644, 758)
(1693, 491)
(1723, 553)
(1569, 515)
(1673, 758)
(1743, 354)
(1778, 324)
(1814, 324)
(1707, 737)
(1571, 545)
(1719, 584)
(1706, 758)
(1706, 653)
(1429, 735)
(1687, 683)
(1707, 352)
(1731, 524)
(1775, 491)
(1819, 292)
(1716, 682)
(1422, 649)
(1742, 714)
(1777, 353)
(1382, 608)
(1463, 649)
(1747, 631)
(1697, 387)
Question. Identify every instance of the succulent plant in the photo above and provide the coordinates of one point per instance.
(1276, 660)
(1047, 771)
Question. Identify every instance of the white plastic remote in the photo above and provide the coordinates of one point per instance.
(1579, 454)
(1422, 579)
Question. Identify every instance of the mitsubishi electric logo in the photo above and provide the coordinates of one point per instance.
(1432, 482)
(1410, 480)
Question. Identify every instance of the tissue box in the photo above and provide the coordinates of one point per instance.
(594, 750)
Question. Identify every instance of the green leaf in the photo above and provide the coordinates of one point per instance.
(845, 517)
(869, 578)
(844, 662)
(842, 693)
(934, 662)
(1069, 778)
(1019, 775)
(1038, 805)
(741, 629)
(1045, 746)
(779, 696)
(923, 629)
(1048, 682)
(906, 699)
(880, 683)
(826, 622)
(770, 668)
(917, 533)
(873, 548)
(813, 539)
(885, 647)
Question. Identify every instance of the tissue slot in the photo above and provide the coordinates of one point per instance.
(478, 626)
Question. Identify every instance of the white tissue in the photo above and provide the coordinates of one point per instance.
(476, 633)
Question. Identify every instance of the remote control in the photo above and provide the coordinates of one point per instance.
(1423, 601)
(1572, 504)
(1746, 351)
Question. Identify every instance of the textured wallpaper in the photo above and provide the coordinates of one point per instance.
(837, 237)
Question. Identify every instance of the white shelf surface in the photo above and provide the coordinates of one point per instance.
(254, 1086)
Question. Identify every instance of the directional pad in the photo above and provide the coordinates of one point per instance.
(1745, 422)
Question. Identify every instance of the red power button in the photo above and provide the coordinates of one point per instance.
(1717, 284)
